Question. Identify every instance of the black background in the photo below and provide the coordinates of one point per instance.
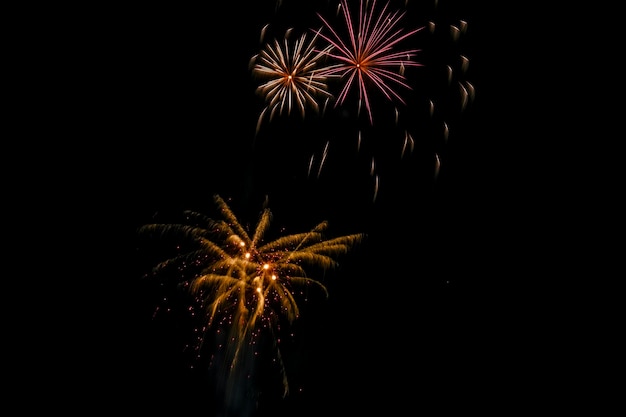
(451, 303)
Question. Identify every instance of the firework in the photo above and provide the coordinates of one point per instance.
(367, 56)
(245, 286)
(293, 78)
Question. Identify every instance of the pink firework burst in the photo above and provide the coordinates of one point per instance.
(368, 55)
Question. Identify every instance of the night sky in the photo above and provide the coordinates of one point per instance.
(421, 316)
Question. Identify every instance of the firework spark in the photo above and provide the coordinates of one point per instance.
(409, 143)
(368, 53)
(247, 287)
(294, 79)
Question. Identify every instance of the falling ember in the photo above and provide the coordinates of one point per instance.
(263, 32)
(324, 154)
(308, 173)
(464, 96)
(376, 182)
(437, 165)
(408, 141)
(463, 25)
(454, 32)
(464, 63)
(470, 88)
(325, 105)
(260, 120)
